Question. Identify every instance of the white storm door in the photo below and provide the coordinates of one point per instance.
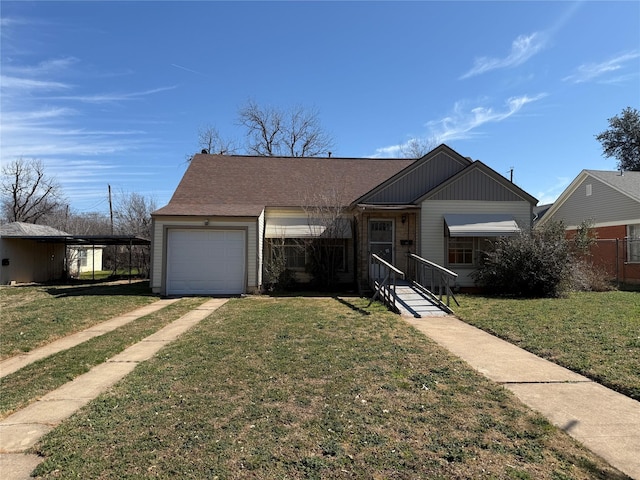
(380, 243)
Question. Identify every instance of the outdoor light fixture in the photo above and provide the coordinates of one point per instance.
(206, 222)
(403, 218)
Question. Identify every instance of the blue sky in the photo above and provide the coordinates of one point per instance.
(115, 92)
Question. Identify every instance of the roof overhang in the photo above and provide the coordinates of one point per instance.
(374, 206)
(480, 225)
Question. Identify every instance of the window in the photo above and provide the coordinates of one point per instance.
(633, 243)
(82, 257)
(588, 189)
(461, 251)
(336, 253)
(291, 251)
(298, 253)
(467, 251)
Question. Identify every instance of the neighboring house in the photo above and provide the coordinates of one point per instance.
(31, 253)
(229, 214)
(610, 200)
(84, 259)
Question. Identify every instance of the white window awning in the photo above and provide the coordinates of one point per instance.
(481, 225)
(306, 227)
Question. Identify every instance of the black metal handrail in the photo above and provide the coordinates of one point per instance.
(383, 278)
(432, 278)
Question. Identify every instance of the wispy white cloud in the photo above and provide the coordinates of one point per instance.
(551, 193)
(463, 123)
(186, 69)
(522, 49)
(45, 117)
(18, 83)
(112, 97)
(46, 67)
(592, 71)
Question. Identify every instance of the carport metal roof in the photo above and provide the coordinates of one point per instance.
(85, 239)
(43, 233)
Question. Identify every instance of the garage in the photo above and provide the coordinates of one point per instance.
(206, 262)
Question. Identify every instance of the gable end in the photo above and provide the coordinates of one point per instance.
(478, 184)
(418, 179)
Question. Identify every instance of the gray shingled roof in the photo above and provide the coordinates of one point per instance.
(230, 185)
(21, 229)
(628, 182)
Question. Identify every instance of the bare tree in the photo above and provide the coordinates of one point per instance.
(417, 147)
(329, 225)
(27, 192)
(209, 139)
(65, 219)
(132, 214)
(133, 217)
(271, 131)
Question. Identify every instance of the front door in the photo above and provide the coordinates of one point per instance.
(380, 242)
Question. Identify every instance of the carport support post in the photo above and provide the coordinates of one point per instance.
(130, 249)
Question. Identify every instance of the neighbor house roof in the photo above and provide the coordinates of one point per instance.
(232, 185)
(22, 230)
(625, 182)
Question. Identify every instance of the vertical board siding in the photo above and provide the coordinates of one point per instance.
(477, 186)
(420, 178)
(432, 243)
(605, 204)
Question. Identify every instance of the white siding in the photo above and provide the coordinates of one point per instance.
(432, 233)
(260, 247)
(159, 248)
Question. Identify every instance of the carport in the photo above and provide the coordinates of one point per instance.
(108, 240)
(33, 253)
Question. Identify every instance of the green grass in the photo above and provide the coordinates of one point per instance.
(33, 316)
(31, 382)
(595, 334)
(309, 388)
(105, 274)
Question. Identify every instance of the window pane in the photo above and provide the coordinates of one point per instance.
(381, 231)
(460, 251)
(633, 243)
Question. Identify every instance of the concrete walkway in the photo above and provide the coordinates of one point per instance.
(21, 430)
(605, 422)
(13, 364)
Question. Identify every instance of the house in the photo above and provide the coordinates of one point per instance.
(82, 259)
(610, 201)
(230, 214)
(31, 253)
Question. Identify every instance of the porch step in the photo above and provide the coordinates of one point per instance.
(414, 302)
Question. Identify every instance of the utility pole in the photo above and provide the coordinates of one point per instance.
(115, 248)
(110, 208)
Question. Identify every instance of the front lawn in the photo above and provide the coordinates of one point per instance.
(310, 388)
(35, 315)
(595, 334)
(36, 379)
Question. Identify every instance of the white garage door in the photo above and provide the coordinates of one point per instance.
(206, 262)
